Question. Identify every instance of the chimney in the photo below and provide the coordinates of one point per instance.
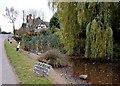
(30, 16)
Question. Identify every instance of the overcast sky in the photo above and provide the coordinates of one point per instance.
(21, 5)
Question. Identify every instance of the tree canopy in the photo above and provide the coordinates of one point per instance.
(87, 27)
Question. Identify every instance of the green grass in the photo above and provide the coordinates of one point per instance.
(23, 66)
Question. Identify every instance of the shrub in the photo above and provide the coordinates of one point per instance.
(45, 41)
(54, 22)
(18, 38)
(54, 58)
(26, 42)
(6, 32)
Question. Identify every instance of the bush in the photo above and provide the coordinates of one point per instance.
(54, 22)
(45, 41)
(54, 58)
(26, 42)
(18, 38)
(6, 32)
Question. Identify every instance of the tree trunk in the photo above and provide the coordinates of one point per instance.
(14, 29)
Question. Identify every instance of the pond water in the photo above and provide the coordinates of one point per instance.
(98, 72)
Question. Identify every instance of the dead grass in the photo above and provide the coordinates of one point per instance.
(54, 58)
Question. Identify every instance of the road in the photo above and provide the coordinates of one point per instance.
(6, 72)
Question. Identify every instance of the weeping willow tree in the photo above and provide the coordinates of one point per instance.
(70, 30)
(99, 34)
(75, 17)
(89, 21)
(99, 41)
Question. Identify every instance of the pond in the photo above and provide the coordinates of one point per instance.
(98, 72)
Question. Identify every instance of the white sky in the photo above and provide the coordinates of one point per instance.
(21, 5)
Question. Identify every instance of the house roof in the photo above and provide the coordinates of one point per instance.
(47, 23)
(38, 21)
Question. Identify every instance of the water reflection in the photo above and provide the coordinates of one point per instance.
(98, 73)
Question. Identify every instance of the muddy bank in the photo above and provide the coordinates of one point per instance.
(61, 75)
(99, 71)
(67, 73)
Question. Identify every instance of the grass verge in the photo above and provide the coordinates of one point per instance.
(23, 66)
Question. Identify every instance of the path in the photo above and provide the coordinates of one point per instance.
(7, 74)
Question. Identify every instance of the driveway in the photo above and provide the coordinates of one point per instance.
(6, 72)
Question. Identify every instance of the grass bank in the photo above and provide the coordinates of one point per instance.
(23, 66)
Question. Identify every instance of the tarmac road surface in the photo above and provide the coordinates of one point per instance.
(6, 71)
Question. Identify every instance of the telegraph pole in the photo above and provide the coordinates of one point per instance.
(23, 16)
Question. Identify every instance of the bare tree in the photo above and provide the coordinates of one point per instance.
(52, 4)
(41, 14)
(12, 15)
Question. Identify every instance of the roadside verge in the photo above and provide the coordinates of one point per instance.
(23, 66)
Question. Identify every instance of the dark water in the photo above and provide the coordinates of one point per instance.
(98, 72)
